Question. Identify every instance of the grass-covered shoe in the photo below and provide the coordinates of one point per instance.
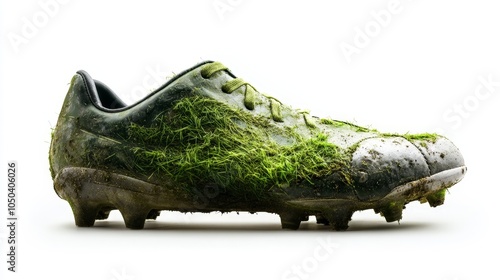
(208, 141)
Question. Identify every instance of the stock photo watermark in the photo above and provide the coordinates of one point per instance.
(460, 111)
(363, 36)
(222, 7)
(12, 221)
(154, 78)
(33, 24)
(122, 274)
(202, 198)
(323, 250)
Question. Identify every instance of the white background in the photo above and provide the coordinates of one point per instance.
(413, 72)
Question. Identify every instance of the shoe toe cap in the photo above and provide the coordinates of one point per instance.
(382, 163)
(440, 154)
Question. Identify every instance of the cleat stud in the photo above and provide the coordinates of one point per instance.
(393, 211)
(153, 214)
(339, 219)
(85, 214)
(134, 217)
(103, 214)
(437, 198)
(291, 220)
(320, 220)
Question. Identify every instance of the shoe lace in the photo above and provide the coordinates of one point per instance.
(250, 93)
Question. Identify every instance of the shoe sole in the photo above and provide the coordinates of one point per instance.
(93, 193)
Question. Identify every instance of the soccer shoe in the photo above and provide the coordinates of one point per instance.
(209, 141)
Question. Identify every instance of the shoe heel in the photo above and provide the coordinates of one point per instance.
(92, 194)
(71, 187)
(85, 214)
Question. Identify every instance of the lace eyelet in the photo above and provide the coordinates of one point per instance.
(204, 75)
(225, 89)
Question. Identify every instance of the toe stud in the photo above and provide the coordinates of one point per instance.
(437, 198)
(393, 211)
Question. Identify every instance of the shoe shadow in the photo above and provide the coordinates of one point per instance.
(364, 226)
(355, 226)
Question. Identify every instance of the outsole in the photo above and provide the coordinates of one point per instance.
(92, 194)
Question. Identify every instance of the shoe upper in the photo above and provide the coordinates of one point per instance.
(206, 127)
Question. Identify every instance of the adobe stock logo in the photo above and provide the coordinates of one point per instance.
(363, 36)
(324, 249)
(154, 78)
(461, 111)
(121, 275)
(222, 7)
(31, 26)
